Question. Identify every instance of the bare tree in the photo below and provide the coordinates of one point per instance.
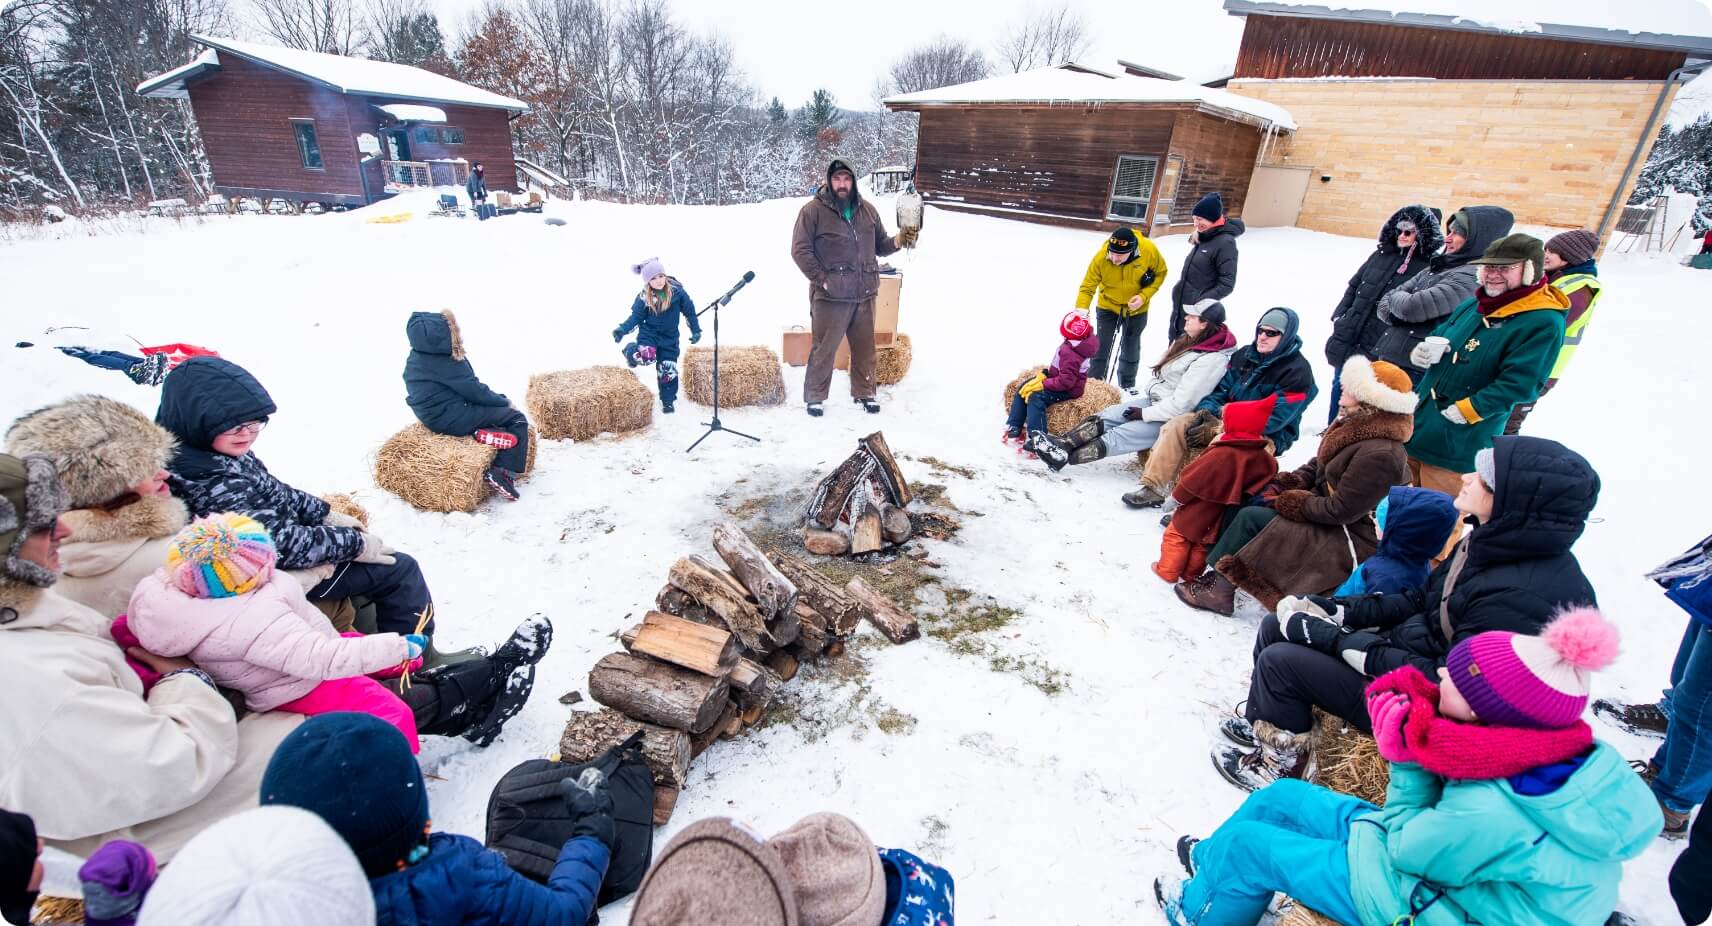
(330, 26)
(406, 32)
(940, 63)
(1045, 38)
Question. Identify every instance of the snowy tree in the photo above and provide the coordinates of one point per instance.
(1681, 159)
(330, 26)
(1045, 38)
(407, 32)
(940, 63)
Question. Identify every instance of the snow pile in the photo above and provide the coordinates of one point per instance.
(413, 112)
(1059, 85)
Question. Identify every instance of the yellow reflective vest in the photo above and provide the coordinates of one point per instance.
(1569, 285)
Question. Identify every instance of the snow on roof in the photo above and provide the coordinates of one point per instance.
(1058, 85)
(1671, 23)
(171, 84)
(413, 112)
(358, 75)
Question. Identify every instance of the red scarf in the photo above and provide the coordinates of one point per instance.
(1475, 752)
(1489, 304)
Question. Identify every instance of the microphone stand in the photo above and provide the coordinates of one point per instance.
(715, 424)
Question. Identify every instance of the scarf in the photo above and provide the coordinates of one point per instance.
(1489, 304)
(1403, 267)
(1472, 751)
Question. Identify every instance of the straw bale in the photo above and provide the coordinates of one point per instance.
(892, 361)
(580, 404)
(344, 504)
(58, 910)
(437, 472)
(747, 376)
(1062, 416)
(1347, 760)
(1299, 915)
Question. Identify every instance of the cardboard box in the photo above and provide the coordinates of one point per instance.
(798, 340)
(886, 307)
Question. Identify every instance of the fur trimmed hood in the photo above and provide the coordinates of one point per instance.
(435, 333)
(100, 446)
(31, 499)
(144, 519)
(1350, 430)
(1386, 388)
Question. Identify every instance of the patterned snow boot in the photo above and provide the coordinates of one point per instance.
(1051, 451)
(503, 440)
(1086, 431)
(501, 482)
(1280, 754)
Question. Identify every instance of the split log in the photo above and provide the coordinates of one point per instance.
(840, 610)
(833, 493)
(895, 524)
(708, 650)
(719, 591)
(751, 717)
(627, 637)
(898, 625)
(784, 664)
(889, 472)
(665, 801)
(756, 685)
(812, 633)
(674, 600)
(588, 734)
(824, 542)
(729, 717)
(775, 593)
(866, 531)
(657, 692)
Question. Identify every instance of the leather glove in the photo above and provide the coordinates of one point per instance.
(1422, 357)
(695, 337)
(617, 335)
(1134, 413)
(414, 645)
(376, 551)
(1453, 414)
(589, 802)
(906, 237)
(1312, 631)
(1200, 430)
(1317, 605)
(1389, 711)
(340, 519)
(1034, 385)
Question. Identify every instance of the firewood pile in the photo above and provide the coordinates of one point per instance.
(721, 641)
(859, 507)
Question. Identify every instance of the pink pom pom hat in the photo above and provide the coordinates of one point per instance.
(1515, 680)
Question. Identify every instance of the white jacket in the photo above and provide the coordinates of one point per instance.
(1184, 382)
(91, 759)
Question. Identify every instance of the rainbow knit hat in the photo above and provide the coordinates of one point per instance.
(1515, 680)
(220, 556)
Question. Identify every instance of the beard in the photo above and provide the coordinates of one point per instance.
(1493, 289)
(842, 194)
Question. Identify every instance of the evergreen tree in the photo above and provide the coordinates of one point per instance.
(1681, 159)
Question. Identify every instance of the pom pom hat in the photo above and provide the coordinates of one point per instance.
(1075, 326)
(220, 556)
(1515, 680)
(648, 269)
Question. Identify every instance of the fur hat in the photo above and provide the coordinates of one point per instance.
(1516, 680)
(31, 499)
(835, 870)
(1380, 384)
(100, 446)
(1074, 326)
(1575, 247)
(648, 269)
(1210, 207)
(717, 871)
(1210, 311)
(267, 866)
(220, 556)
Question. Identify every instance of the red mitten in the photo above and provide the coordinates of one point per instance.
(1389, 711)
(121, 631)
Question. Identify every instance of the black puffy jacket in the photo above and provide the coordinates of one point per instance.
(1519, 572)
(1413, 310)
(440, 384)
(1355, 327)
(1209, 272)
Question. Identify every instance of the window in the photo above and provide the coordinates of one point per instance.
(308, 148)
(452, 136)
(425, 135)
(1132, 187)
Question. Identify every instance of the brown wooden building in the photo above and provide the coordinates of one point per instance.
(1077, 146)
(300, 126)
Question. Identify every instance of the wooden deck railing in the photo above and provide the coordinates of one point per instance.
(425, 173)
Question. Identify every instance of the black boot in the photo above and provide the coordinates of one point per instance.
(1089, 452)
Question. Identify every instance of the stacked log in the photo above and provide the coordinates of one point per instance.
(859, 507)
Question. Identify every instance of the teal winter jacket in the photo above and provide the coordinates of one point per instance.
(1458, 852)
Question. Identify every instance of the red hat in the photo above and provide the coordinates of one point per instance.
(1075, 326)
(1247, 420)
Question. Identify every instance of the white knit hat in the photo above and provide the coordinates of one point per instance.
(270, 866)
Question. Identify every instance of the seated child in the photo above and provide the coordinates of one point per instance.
(1061, 381)
(1502, 808)
(358, 776)
(654, 316)
(446, 396)
(1231, 471)
(1412, 526)
(220, 602)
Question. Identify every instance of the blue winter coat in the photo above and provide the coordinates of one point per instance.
(1456, 852)
(439, 382)
(660, 330)
(1417, 521)
(208, 395)
(1284, 373)
(461, 883)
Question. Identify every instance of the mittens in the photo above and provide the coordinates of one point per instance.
(588, 799)
(1389, 710)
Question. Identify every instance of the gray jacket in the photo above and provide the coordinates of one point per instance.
(1415, 308)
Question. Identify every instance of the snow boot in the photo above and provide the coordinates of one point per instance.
(1280, 754)
(1012, 437)
(1168, 893)
(1086, 431)
(1239, 731)
(503, 440)
(1145, 497)
(1646, 769)
(1211, 592)
(1089, 452)
(150, 371)
(1639, 719)
(504, 706)
(1675, 824)
(1186, 853)
(869, 405)
(666, 408)
(1051, 451)
(501, 483)
(528, 643)
(815, 410)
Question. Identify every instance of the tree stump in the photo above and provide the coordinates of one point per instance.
(657, 692)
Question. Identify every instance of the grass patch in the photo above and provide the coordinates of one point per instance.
(941, 466)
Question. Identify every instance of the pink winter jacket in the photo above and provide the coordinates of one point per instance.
(270, 644)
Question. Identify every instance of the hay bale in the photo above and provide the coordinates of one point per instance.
(1062, 416)
(1347, 760)
(580, 404)
(747, 376)
(892, 362)
(346, 505)
(1298, 915)
(57, 910)
(438, 472)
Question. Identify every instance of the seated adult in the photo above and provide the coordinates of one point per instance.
(1191, 367)
(1318, 525)
(1530, 499)
(93, 757)
(1272, 366)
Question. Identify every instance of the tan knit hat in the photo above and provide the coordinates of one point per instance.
(717, 871)
(835, 869)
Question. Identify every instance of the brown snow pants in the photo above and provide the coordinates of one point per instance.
(832, 322)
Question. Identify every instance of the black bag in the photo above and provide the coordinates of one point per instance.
(528, 823)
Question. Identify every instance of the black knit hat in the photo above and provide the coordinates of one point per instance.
(1122, 241)
(1211, 207)
(17, 864)
(356, 772)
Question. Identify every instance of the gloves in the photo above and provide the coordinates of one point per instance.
(695, 337)
(313, 576)
(1423, 356)
(376, 551)
(1034, 385)
(1133, 413)
(1389, 711)
(617, 335)
(589, 803)
(906, 237)
(415, 645)
(1312, 631)
(1453, 414)
(1318, 605)
(1200, 430)
(340, 519)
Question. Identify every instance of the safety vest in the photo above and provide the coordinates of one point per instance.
(1572, 334)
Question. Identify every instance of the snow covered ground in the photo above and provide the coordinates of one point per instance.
(1047, 807)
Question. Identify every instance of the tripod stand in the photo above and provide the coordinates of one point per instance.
(715, 424)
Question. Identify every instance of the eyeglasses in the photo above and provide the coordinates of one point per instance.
(1269, 332)
(1405, 231)
(1496, 270)
(248, 427)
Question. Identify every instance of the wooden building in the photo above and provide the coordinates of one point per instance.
(1086, 148)
(1404, 101)
(303, 127)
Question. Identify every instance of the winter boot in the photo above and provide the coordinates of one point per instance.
(150, 371)
(1211, 592)
(1145, 497)
(501, 483)
(815, 410)
(1646, 769)
(503, 440)
(1675, 824)
(1639, 719)
(1086, 431)
(1238, 731)
(1186, 853)
(1280, 754)
(666, 408)
(1049, 449)
(528, 643)
(504, 706)
(1012, 437)
(871, 406)
(1168, 893)
(1174, 552)
(1089, 452)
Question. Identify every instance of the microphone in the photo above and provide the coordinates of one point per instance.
(726, 299)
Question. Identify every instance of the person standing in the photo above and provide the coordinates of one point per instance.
(1125, 274)
(654, 316)
(836, 244)
(1209, 272)
(1410, 238)
(1570, 267)
(1411, 311)
(476, 186)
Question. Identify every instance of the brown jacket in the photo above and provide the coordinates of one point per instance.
(839, 256)
(1326, 509)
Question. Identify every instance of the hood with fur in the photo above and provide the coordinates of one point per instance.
(435, 333)
(101, 447)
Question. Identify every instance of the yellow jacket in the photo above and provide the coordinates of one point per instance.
(1118, 283)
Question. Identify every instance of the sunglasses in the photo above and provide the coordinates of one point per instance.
(1269, 332)
(248, 427)
(1405, 229)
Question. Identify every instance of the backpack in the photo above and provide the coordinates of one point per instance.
(527, 821)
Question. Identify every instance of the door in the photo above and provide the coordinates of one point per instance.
(1275, 196)
(398, 144)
